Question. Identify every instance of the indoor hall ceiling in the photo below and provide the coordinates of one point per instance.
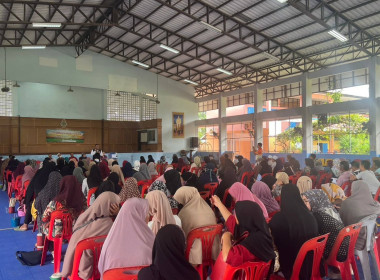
(255, 41)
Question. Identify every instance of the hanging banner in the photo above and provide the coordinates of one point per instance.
(64, 136)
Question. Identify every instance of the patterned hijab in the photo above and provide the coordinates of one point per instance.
(160, 186)
(319, 201)
(129, 189)
(50, 191)
(29, 172)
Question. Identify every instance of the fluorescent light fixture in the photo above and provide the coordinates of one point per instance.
(140, 63)
(190, 82)
(338, 35)
(31, 47)
(270, 56)
(211, 27)
(169, 49)
(224, 71)
(282, 1)
(46, 24)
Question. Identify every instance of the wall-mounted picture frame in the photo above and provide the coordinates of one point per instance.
(178, 124)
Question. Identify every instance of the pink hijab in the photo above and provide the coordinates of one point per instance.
(161, 178)
(240, 193)
(130, 240)
(28, 175)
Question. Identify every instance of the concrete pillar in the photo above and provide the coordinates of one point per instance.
(222, 126)
(374, 105)
(307, 125)
(257, 120)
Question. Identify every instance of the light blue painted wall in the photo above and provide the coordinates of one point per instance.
(43, 92)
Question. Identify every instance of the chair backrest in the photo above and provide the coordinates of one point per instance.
(244, 178)
(226, 194)
(26, 185)
(293, 179)
(195, 170)
(90, 193)
(346, 187)
(125, 273)
(316, 245)
(377, 195)
(265, 174)
(314, 180)
(8, 176)
(144, 190)
(247, 271)
(154, 178)
(211, 186)
(67, 225)
(370, 223)
(93, 244)
(351, 231)
(185, 168)
(207, 236)
(159, 168)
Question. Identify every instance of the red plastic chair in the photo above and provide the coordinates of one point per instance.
(154, 178)
(204, 194)
(352, 232)
(316, 245)
(377, 195)
(175, 165)
(244, 178)
(293, 179)
(26, 185)
(207, 236)
(8, 179)
(185, 169)
(90, 193)
(211, 187)
(159, 169)
(122, 273)
(247, 271)
(314, 180)
(18, 186)
(93, 244)
(266, 174)
(67, 228)
(346, 187)
(35, 225)
(195, 170)
(232, 205)
(144, 190)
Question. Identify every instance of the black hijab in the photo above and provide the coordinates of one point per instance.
(106, 186)
(94, 178)
(229, 177)
(128, 170)
(169, 262)
(173, 180)
(40, 179)
(142, 159)
(150, 159)
(190, 179)
(114, 178)
(259, 240)
(269, 180)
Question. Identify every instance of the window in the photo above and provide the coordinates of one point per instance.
(208, 109)
(282, 97)
(341, 133)
(6, 101)
(341, 87)
(149, 109)
(282, 136)
(240, 104)
(240, 138)
(126, 106)
(208, 138)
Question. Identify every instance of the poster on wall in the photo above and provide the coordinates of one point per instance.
(64, 136)
(178, 125)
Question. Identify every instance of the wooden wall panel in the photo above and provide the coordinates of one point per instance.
(118, 137)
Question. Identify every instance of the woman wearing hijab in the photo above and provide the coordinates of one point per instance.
(104, 170)
(128, 170)
(207, 176)
(265, 168)
(97, 220)
(106, 186)
(256, 246)
(282, 180)
(129, 189)
(28, 175)
(169, 262)
(328, 220)
(304, 184)
(279, 167)
(173, 181)
(152, 169)
(195, 214)
(36, 185)
(180, 164)
(70, 199)
(225, 163)
(93, 180)
(229, 178)
(116, 169)
(47, 194)
(4, 165)
(160, 186)
(150, 159)
(189, 179)
(262, 192)
(291, 228)
(126, 245)
(239, 192)
(197, 163)
(109, 162)
(142, 159)
(19, 170)
(162, 178)
(78, 173)
(270, 181)
(160, 211)
(114, 178)
(175, 159)
(143, 173)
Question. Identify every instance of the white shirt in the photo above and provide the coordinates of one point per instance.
(93, 152)
(369, 177)
(176, 218)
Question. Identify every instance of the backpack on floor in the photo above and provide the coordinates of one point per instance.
(29, 258)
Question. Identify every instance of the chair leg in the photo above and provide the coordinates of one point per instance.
(44, 251)
(355, 268)
(57, 254)
(364, 261)
(375, 261)
(35, 225)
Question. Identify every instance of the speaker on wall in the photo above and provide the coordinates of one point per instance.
(194, 142)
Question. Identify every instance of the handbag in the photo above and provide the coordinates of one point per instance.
(21, 211)
(29, 258)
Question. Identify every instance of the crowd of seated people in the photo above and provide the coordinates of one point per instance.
(268, 209)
